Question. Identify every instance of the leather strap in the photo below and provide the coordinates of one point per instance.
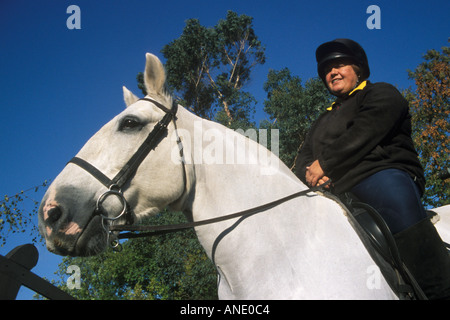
(155, 230)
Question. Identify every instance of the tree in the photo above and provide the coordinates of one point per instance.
(208, 68)
(172, 266)
(430, 109)
(293, 108)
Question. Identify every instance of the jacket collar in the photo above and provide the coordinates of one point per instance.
(361, 86)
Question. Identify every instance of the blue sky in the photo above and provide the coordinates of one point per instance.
(59, 86)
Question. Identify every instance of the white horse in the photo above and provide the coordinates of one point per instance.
(304, 248)
(443, 222)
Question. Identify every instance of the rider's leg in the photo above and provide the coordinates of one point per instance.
(396, 197)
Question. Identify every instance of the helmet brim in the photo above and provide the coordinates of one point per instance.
(338, 49)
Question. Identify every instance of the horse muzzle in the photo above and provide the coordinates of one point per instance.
(67, 232)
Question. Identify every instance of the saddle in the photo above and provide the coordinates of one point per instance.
(379, 242)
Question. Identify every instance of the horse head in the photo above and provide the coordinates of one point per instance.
(67, 214)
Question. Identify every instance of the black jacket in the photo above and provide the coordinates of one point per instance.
(367, 131)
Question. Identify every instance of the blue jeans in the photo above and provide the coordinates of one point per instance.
(395, 196)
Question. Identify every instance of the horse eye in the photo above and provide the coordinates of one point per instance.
(129, 124)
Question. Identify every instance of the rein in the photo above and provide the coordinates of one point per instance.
(158, 230)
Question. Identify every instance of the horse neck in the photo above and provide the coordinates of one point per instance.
(228, 171)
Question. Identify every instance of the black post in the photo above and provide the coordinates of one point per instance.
(15, 272)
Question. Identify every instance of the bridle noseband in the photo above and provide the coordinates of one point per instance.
(115, 184)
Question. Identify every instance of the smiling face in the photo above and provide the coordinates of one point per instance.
(341, 77)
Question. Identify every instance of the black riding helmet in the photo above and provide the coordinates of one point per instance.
(342, 48)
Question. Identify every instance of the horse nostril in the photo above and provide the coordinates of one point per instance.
(54, 214)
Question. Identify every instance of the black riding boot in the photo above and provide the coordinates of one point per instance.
(426, 257)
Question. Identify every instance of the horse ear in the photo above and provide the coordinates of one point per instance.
(129, 97)
(154, 75)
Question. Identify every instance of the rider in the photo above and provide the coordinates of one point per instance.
(363, 144)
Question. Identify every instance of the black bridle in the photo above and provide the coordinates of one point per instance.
(115, 184)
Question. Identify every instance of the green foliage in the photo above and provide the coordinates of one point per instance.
(292, 109)
(430, 109)
(172, 266)
(16, 215)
